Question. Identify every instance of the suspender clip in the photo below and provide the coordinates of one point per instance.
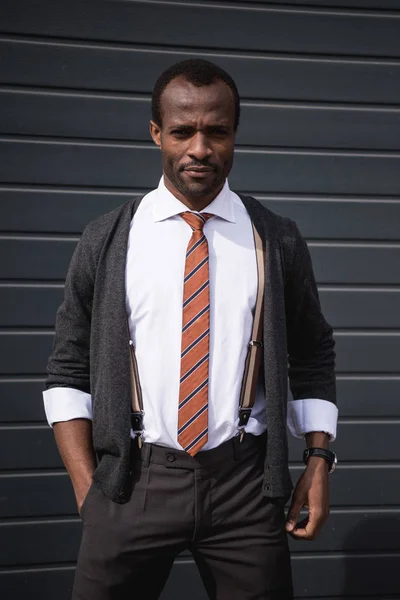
(255, 343)
(244, 416)
(137, 426)
(137, 422)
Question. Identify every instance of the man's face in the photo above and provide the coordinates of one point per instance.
(196, 139)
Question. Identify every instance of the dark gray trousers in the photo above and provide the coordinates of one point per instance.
(210, 504)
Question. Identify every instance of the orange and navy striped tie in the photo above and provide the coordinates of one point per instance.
(193, 393)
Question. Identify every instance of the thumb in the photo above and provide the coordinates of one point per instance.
(293, 515)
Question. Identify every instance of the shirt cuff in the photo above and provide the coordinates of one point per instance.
(312, 414)
(65, 404)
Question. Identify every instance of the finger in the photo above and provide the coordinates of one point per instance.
(309, 528)
(300, 532)
(293, 515)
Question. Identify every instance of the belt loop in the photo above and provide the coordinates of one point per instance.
(146, 453)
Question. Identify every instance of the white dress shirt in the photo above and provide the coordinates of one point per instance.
(154, 290)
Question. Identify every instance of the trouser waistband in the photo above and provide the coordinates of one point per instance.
(180, 459)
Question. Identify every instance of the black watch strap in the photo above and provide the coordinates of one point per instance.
(327, 455)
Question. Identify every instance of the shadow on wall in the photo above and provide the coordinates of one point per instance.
(372, 563)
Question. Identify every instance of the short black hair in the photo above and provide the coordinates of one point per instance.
(199, 72)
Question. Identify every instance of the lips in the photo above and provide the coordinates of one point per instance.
(196, 173)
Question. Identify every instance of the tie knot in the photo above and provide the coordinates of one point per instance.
(196, 220)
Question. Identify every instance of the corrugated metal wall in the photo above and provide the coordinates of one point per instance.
(319, 141)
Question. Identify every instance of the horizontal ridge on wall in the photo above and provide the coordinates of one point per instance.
(76, 115)
(376, 5)
(33, 542)
(139, 165)
(35, 304)
(33, 258)
(359, 442)
(67, 209)
(32, 493)
(357, 397)
(26, 353)
(284, 29)
(260, 76)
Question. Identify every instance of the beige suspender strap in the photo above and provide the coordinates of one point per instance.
(137, 401)
(254, 353)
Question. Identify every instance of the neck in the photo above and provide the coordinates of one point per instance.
(195, 203)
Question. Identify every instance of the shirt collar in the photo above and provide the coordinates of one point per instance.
(166, 205)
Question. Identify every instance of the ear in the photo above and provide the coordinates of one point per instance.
(155, 132)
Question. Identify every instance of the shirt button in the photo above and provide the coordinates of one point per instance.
(170, 457)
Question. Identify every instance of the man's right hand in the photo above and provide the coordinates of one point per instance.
(80, 494)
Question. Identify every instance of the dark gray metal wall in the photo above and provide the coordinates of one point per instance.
(319, 141)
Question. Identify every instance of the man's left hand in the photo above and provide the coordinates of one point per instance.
(312, 492)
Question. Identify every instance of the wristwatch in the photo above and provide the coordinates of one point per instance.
(327, 455)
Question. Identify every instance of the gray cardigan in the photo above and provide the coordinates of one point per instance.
(91, 350)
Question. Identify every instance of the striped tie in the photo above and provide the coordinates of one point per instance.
(193, 393)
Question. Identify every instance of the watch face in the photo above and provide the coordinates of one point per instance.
(334, 463)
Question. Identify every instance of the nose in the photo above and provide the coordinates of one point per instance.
(199, 148)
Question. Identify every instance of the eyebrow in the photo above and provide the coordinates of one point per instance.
(181, 126)
(224, 125)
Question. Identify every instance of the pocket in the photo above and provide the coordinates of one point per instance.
(85, 502)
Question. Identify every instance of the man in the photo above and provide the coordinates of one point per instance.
(176, 272)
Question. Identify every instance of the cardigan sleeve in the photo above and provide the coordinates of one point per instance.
(311, 354)
(69, 362)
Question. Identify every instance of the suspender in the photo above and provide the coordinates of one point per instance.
(137, 413)
(254, 352)
(251, 368)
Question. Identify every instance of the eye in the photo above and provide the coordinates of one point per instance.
(181, 132)
(219, 131)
